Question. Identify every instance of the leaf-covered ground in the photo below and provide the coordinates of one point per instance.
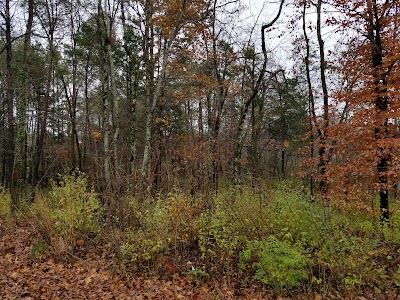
(25, 277)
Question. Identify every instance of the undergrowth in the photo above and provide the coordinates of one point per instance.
(68, 215)
(275, 235)
(5, 202)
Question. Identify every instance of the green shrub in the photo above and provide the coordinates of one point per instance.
(165, 225)
(217, 236)
(74, 208)
(276, 263)
(344, 257)
(146, 242)
(68, 213)
(38, 248)
(198, 275)
(5, 202)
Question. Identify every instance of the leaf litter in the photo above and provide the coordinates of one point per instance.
(23, 276)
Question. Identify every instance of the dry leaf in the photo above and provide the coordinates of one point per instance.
(14, 275)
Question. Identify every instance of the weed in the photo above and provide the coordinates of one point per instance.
(198, 275)
(38, 248)
(276, 263)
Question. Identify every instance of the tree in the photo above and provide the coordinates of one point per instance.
(131, 65)
(110, 101)
(158, 20)
(245, 107)
(366, 143)
(310, 93)
(288, 115)
(49, 16)
(322, 151)
(20, 162)
(9, 93)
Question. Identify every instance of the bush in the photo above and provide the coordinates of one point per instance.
(276, 263)
(217, 236)
(166, 226)
(69, 213)
(344, 254)
(147, 241)
(5, 202)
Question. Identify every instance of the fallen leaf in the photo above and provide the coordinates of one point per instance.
(88, 280)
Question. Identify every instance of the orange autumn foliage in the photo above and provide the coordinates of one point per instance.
(364, 141)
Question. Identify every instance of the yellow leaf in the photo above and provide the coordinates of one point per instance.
(286, 144)
(88, 280)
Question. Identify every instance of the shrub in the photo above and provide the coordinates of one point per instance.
(276, 263)
(217, 235)
(198, 275)
(345, 258)
(5, 202)
(38, 248)
(68, 213)
(75, 210)
(165, 225)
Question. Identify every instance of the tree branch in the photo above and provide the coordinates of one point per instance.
(13, 40)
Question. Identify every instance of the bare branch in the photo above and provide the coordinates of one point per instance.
(13, 40)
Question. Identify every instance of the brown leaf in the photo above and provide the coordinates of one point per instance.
(88, 280)
(14, 275)
(169, 265)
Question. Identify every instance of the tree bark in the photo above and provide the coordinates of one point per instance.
(381, 105)
(156, 94)
(46, 102)
(72, 101)
(107, 83)
(19, 170)
(323, 160)
(9, 152)
(131, 77)
(311, 101)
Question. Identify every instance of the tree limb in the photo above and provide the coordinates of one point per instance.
(13, 40)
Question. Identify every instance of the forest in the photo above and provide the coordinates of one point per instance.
(199, 149)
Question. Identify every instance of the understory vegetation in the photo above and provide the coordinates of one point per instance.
(274, 235)
(250, 149)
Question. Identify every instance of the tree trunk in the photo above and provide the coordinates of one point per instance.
(150, 114)
(106, 90)
(323, 160)
(154, 96)
(87, 140)
(9, 154)
(245, 108)
(311, 102)
(381, 105)
(42, 129)
(19, 170)
(71, 101)
(131, 93)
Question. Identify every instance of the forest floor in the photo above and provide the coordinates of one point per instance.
(23, 276)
